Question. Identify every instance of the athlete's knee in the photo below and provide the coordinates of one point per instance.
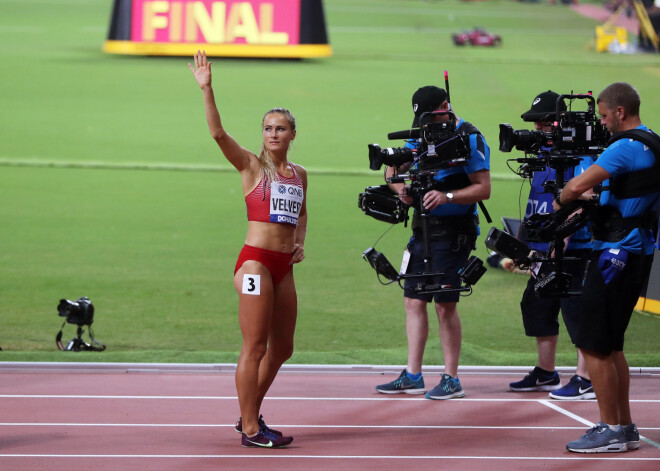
(279, 352)
(254, 351)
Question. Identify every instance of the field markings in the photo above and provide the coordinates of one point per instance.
(41, 163)
(338, 457)
(283, 398)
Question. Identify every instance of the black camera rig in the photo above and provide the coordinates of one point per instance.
(438, 145)
(469, 273)
(572, 136)
(80, 313)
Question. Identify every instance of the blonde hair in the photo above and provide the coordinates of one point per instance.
(265, 159)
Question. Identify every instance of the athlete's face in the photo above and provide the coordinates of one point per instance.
(277, 132)
(610, 117)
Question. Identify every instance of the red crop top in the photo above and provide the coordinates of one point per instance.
(279, 201)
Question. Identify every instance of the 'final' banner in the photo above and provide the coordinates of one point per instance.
(255, 28)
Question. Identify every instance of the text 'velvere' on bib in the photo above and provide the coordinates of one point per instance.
(285, 203)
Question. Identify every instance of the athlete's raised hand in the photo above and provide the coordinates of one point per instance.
(202, 69)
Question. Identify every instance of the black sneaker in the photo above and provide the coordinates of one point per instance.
(262, 426)
(537, 380)
(265, 440)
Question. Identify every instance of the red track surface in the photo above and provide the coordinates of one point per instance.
(184, 421)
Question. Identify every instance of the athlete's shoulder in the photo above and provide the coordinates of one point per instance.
(299, 168)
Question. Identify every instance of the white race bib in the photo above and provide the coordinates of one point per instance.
(285, 202)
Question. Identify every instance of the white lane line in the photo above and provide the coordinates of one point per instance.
(586, 422)
(282, 398)
(396, 427)
(342, 457)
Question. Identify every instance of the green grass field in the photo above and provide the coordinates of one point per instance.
(110, 186)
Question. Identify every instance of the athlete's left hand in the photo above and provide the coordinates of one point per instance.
(298, 253)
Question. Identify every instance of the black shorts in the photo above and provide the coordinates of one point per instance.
(540, 314)
(448, 256)
(606, 309)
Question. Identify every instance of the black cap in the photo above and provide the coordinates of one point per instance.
(544, 107)
(427, 99)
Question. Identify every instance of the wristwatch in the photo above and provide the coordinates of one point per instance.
(450, 196)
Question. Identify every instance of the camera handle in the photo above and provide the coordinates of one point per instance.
(558, 244)
(425, 214)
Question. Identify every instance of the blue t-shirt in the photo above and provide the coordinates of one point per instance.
(625, 156)
(540, 201)
(479, 160)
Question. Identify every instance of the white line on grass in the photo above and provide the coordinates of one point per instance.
(12, 162)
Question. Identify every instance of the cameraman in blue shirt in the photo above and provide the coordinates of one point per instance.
(453, 229)
(624, 241)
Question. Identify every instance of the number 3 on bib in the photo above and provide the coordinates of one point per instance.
(251, 284)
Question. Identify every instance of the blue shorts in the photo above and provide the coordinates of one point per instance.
(448, 256)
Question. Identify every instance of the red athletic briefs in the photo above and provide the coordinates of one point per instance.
(277, 263)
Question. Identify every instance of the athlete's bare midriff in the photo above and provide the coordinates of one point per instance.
(270, 236)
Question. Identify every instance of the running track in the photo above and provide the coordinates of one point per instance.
(67, 416)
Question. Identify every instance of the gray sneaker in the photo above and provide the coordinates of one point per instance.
(402, 385)
(600, 439)
(632, 436)
(447, 389)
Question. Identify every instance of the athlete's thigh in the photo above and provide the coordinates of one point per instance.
(285, 308)
(255, 300)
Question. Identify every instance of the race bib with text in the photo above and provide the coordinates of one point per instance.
(285, 203)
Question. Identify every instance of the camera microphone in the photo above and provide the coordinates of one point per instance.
(405, 134)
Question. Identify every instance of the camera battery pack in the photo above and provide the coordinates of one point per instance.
(506, 245)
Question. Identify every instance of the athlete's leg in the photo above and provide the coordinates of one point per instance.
(254, 317)
(280, 338)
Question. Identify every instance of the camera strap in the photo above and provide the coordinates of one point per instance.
(639, 182)
(611, 226)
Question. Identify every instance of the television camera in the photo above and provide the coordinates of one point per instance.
(80, 313)
(572, 135)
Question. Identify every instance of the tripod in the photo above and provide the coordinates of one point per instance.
(77, 344)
